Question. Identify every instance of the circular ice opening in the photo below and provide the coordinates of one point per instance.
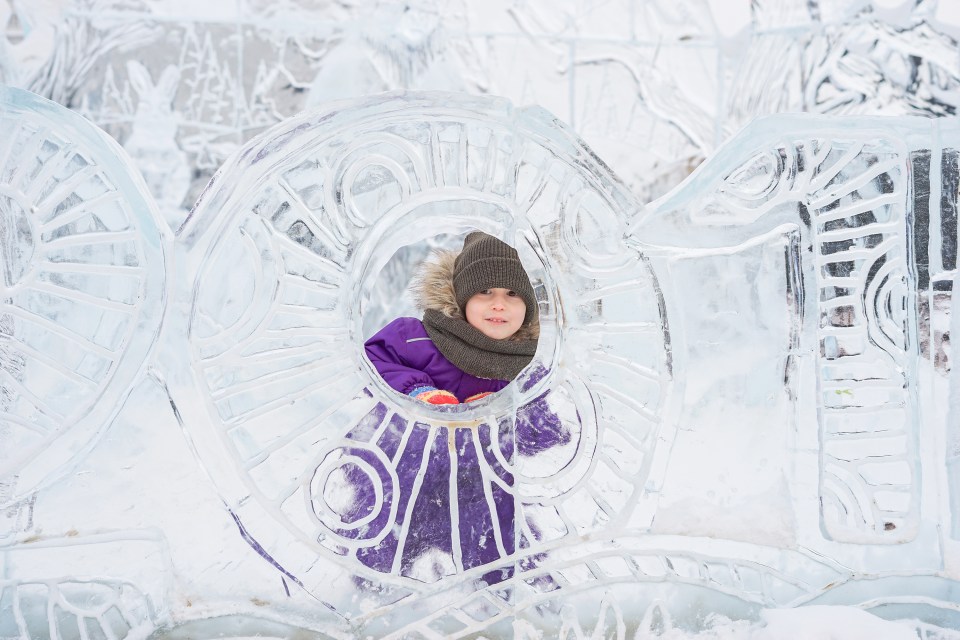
(385, 293)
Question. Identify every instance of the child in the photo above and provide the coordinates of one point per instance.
(479, 329)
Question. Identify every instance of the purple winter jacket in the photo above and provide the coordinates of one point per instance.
(406, 358)
(449, 477)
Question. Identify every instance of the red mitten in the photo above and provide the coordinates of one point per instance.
(437, 396)
(479, 396)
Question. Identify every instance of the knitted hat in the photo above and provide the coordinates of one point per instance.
(488, 263)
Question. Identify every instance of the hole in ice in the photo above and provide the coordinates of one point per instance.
(415, 278)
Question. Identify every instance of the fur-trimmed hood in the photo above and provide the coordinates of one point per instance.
(432, 288)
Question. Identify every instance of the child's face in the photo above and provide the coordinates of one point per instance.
(497, 313)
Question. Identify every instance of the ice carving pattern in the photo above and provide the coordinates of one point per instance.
(872, 213)
(853, 194)
(633, 102)
(83, 278)
(82, 587)
(153, 140)
(74, 609)
(869, 465)
(357, 474)
(639, 81)
(484, 518)
(629, 580)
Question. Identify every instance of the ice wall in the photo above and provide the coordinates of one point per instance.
(653, 86)
(779, 435)
(730, 407)
(730, 410)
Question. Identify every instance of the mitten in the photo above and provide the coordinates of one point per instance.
(479, 396)
(431, 395)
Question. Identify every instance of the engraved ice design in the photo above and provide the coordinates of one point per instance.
(869, 466)
(850, 195)
(81, 588)
(321, 451)
(743, 400)
(82, 287)
(771, 301)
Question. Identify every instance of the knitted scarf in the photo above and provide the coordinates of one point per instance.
(475, 353)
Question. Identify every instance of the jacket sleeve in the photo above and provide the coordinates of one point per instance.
(387, 350)
(537, 426)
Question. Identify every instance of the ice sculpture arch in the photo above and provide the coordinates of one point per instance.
(83, 287)
(311, 211)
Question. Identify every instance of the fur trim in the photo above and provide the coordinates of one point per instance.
(432, 288)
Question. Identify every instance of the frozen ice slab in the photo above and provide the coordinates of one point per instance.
(83, 287)
(736, 402)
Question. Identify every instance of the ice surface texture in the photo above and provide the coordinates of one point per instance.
(83, 287)
(740, 400)
(654, 86)
(103, 586)
(313, 449)
(83, 296)
(757, 350)
(863, 218)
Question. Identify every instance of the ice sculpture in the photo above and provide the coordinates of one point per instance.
(83, 292)
(282, 345)
(865, 220)
(780, 303)
(83, 287)
(654, 87)
(152, 142)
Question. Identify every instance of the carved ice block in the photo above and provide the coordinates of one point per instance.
(110, 585)
(786, 294)
(311, 449)
(866, 210)
(83, 280)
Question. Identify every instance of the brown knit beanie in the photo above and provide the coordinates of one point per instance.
(488, 263)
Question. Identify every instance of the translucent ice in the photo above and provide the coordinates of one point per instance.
(861, 220)
(395, 492)
(88, 588)
(83, 287)
(736, 404)
(727, 411)
(793, 354)
(83, 293)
